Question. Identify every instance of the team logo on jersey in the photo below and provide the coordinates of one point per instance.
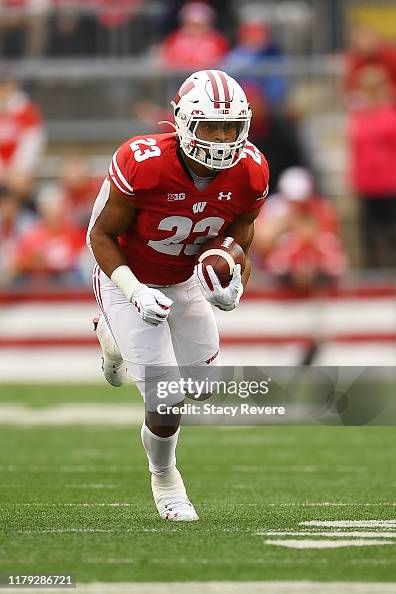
(174, 197)
(199, 207)
(224, 195)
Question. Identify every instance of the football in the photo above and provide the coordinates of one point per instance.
(222, 253)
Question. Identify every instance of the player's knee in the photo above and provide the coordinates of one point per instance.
(163, 425)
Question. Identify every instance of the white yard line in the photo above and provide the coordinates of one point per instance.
(329, 504)
(64, 531)
(39, 504)
(328, 544)
(222, 588)
(312, 538)
(350, 523)
(264, 504)
(330, 533)
(90, 486)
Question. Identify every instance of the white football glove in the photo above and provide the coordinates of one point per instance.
(226, 298)
(152, 305)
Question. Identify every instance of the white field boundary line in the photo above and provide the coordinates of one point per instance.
(276, 317)
(72, 414)
(286, 587)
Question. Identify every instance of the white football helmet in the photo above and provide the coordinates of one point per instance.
(211, 95)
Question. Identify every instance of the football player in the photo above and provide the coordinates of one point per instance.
(165, 195)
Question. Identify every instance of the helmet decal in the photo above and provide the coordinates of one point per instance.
(216, 88)
(184, 89)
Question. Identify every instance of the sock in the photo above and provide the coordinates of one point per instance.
(161, 451)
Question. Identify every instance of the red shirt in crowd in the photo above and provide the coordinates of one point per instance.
(41, 249)
(310, 243)
(21, 132)
(372, 140)
(182, 50)
(113, 13)
(384, 57)
(324, 255)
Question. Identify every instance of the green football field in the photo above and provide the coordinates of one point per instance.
(275, 503)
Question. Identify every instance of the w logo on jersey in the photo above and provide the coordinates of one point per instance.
(226, 195)
(199, 207)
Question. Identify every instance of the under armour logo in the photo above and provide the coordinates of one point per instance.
(226, 195)
(199, 207)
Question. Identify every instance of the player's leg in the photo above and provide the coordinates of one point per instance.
(195, 341)
(113, 366)
(149, 357)
(195, 336)
(194, 332)
(160, 434)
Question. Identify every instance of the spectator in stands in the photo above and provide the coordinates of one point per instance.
(367, 49)
(12, 28)
(256, 47)
(80, 188)
(225, 16)
(23, 27)
(274, 134)
(297, 235)
(22, 138)
(196, 44)
(372, 142)
(114, 18)
(50, 251)
(72, 32)
(14, 222)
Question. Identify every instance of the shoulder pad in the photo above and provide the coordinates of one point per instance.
(138, 163)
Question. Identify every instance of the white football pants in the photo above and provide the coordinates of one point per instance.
(189, 336)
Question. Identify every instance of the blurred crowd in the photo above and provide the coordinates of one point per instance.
(67, 28)
(299, 235)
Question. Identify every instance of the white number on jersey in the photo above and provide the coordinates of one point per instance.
(252, 151)
(153, 151)
(173, 245)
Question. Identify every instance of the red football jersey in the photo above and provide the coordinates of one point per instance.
(174, 218)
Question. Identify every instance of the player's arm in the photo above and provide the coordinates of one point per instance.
(114, 219)
(242, 230)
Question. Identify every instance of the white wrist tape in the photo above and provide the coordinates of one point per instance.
(125, 280)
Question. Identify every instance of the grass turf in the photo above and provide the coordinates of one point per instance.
(77, 499)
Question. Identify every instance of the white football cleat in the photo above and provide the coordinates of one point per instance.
(171, 498)
(112, 362)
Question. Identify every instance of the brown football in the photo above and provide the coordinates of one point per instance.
(222, 253)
